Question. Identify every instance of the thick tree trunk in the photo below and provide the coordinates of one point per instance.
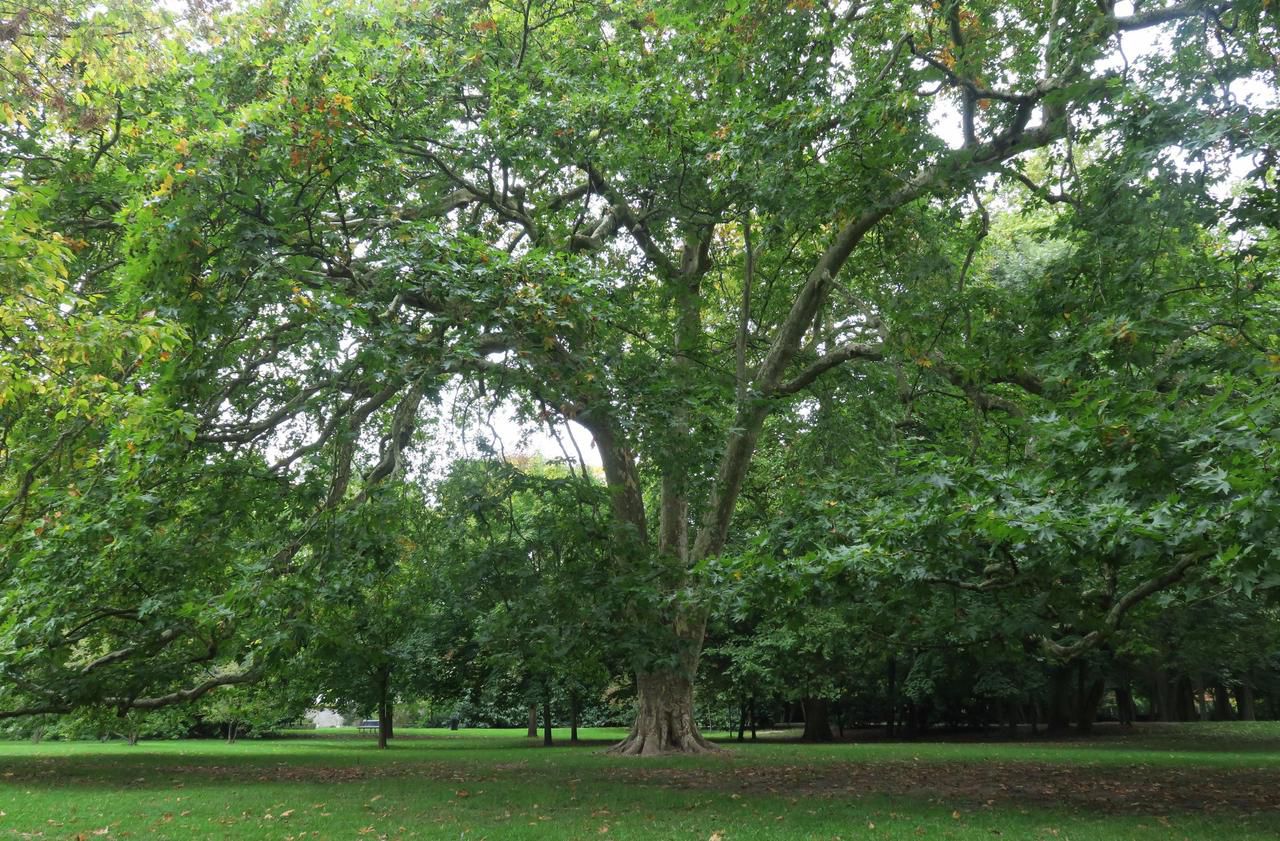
(1059, 700)
(1125, 705)
(533, 721)
(1184, 700)
(1221, 704)
(817, 720)
(664, 720)
(1244, 700)
(1162, 696)
(1087, 705)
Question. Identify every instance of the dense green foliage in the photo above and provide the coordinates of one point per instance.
(931, 352)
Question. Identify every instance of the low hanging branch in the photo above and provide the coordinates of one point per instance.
(123, 705)
(1111, 623)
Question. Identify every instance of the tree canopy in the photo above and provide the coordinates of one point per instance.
(910, 302)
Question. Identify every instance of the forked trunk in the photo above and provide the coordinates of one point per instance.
(664, 721)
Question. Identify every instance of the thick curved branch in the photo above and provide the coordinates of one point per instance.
(1117, 612)
(837, 357)
(1167, 14)
(634, 224)
(166, 636)
(183, 695)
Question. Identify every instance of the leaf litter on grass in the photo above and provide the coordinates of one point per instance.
(1113, 789)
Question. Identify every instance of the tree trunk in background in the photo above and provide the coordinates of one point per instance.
(1125, 705)
(1198, 692)
(817, 720)
(1244, 700)
(384, 707)
(546, 716)
(1184, 700)
(1087, 704)
(573, 717)
(891, 720)
(533, 721)
(1059, 700)
(1162, 698)
(1222, 704)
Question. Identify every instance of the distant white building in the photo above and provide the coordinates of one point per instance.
(325, 718)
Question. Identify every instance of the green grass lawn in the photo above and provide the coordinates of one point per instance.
(1155, 782)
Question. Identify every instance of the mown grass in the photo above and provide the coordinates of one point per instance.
(1158, 782)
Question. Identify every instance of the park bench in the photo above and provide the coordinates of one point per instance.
(368, 725)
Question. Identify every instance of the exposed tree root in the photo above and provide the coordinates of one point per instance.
(664, 721)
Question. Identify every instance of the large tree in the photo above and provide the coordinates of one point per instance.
(659, 221)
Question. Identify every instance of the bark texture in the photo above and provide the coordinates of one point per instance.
(664, 721)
